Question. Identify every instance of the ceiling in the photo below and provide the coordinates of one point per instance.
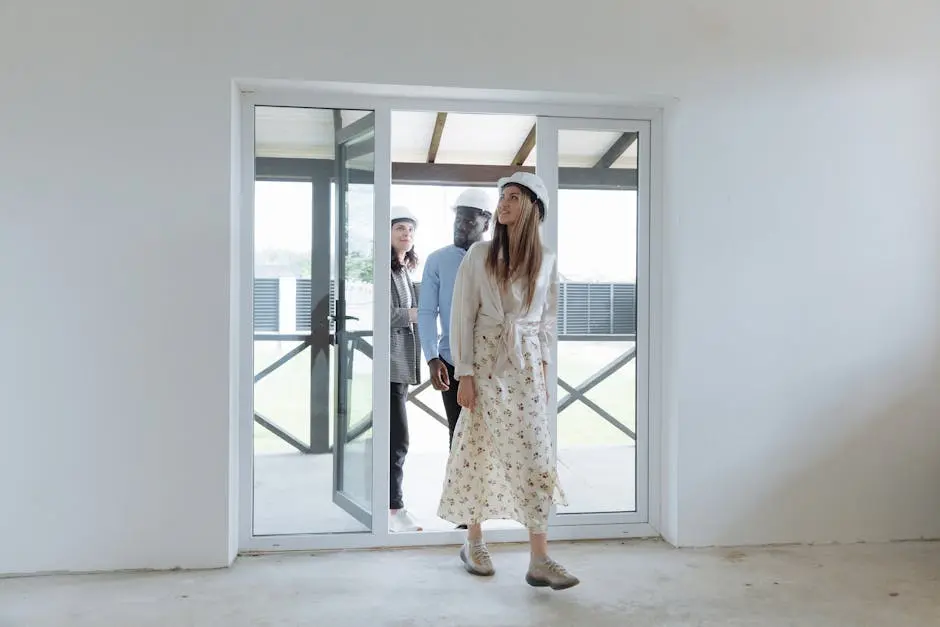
(474, 139)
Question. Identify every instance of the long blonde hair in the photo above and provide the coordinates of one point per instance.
(519, 257)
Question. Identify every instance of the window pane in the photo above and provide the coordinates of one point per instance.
(597, 253)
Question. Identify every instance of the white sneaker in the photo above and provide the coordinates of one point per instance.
(402, 522)
(476, 559)
(547, 573)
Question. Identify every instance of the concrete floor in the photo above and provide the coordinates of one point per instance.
(637, 583)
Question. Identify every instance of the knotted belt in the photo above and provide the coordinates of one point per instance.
(510, 333)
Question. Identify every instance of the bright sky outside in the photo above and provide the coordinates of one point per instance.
(596, 230)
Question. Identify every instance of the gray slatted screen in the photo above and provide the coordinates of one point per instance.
(575, 314)
(597, 309)
(583, 308)
(302, 308)
(332, 305)
(266, 305)
(302, 305)
(624, 308)
(600, 309)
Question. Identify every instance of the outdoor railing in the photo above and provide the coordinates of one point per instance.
(574, 393)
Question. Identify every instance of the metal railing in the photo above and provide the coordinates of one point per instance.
(574, 393)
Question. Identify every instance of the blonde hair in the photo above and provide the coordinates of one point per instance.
(519, 257)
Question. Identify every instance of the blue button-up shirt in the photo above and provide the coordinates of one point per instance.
(437, 294)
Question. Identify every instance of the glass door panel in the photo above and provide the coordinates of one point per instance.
(601, 354)
(353, 263)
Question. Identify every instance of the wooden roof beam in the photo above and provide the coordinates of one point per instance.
(436, 137)
(525, 149)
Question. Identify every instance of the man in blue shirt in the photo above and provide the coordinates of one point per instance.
(472, 213)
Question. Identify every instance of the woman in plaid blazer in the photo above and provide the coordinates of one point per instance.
(403, 360)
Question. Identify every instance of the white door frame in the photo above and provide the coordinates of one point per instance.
(383, 100)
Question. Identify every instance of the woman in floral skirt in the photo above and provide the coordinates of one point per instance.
(502, 463)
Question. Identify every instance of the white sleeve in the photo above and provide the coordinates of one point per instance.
(463, 315)
(548, 327)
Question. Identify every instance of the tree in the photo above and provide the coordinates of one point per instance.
(359, 267)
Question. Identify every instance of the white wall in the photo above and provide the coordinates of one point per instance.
(802, 233)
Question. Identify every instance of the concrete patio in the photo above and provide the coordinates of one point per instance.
(293, 492)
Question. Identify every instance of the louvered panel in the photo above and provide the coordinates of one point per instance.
(302, 305)
(266, 301)
(625, 307)
(577, 309)
(332, 306)
(599, 308)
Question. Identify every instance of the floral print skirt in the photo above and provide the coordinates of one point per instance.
(502, 464)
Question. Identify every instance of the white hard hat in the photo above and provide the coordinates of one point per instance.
(529, 180)
(476, 198)
(400, 212)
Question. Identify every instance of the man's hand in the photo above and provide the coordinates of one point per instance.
(439, 379)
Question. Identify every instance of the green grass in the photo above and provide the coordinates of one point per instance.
(284, 398)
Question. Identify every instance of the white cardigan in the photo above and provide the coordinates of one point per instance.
(478, 306)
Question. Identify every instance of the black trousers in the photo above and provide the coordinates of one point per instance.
(451, 406)
(398, 444)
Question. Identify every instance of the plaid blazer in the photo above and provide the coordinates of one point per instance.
(404, 345)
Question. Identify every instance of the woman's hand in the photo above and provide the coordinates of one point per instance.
(467, 392)
(545, 379)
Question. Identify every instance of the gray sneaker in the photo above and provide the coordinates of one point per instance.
(548, 573)
(476, 559)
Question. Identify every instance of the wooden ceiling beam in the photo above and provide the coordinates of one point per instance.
(436, 137)
(525, 149)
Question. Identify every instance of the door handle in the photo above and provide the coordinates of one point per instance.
(344, 318)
